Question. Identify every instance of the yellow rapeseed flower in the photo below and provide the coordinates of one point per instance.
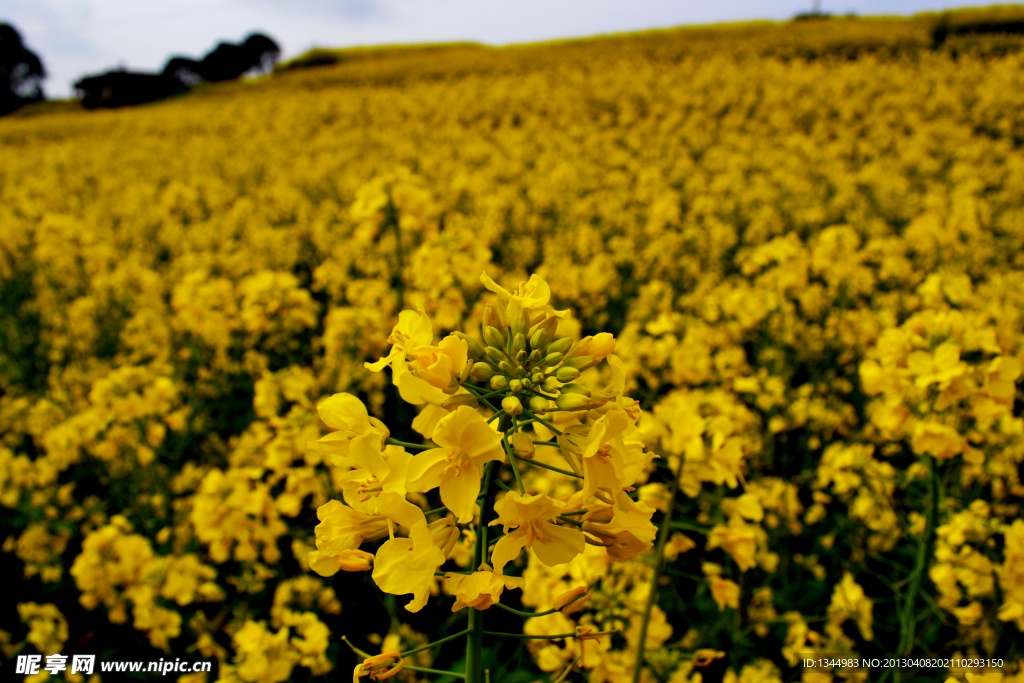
(466, 443)
(532, 515)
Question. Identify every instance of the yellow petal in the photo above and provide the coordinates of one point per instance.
(344, 411)
(458, 493)
(385, 361)
(507, 549)
(417, 391)
(494, 286)
(559, 546)
(427, 420)
(425, 554)
(425, 469)
(396, 508)
(323, 564)
(465, 429)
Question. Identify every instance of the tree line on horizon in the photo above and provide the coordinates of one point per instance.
(257, 54)
(22, 73)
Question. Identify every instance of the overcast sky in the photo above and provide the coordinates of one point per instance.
(79, 37)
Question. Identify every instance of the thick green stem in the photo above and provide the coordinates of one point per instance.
(475, 636)
(909, 621)
(475, 647)
(659, 558)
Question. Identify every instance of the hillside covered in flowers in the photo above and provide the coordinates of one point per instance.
(806, 238)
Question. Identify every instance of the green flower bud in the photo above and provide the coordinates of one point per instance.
(564, 374)
(577, 348)
(460, 400)
(550, 385)
(476, 351)
(494, 355)
(553, 358)
(506, 367)
(526, 382)
(537, 377)
(539, 405)
(518, 343)
(560, 345)
(572, 402)
(499, 383)
(575, 389)
(548, 325)
(521, 324)
(581, 363)
(521, 357)
(534, 357)
(515, 386)
(481, 372)
(522, 445)
(511, 405)
(539, 340)
(491, 316)
(493, 337)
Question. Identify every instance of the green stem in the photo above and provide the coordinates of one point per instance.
(542, 465)
(526, 637)
(424, 670)
(406, 444)
(497, 415)
(544, 422)
(659, 556)
(473, 390)
(513, 463)
(924, 549)
(525, 615)
(492, 393)
(475, 633)
(546, 443)
(434, 644)
(361, 653)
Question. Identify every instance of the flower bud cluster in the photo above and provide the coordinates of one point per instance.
(522, 355)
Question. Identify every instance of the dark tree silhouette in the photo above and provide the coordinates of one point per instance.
(21, 72)
(125, 88)
(184, 69)
(264, 51)
(256, 55)
(228, 61)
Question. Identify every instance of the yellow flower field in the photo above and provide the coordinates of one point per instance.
(807, 240)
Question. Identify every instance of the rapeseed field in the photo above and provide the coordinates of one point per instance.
(729, 320)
